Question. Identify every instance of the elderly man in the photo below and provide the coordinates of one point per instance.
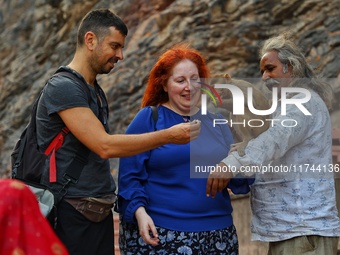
(293, 201)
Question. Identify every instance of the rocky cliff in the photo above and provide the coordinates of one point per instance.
(40, 35)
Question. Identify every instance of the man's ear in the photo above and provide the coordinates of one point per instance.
(90, 40)
(285, 68)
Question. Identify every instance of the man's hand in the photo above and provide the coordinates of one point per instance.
(147, 228)
(233, 147)
(184, 132)
(218, 180)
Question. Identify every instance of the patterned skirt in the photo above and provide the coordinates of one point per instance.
(215, 242)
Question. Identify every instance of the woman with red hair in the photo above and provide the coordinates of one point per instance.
(162, 200)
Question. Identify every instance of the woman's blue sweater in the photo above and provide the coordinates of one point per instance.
(170, 181)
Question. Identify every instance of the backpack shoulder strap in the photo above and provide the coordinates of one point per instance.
(56, 143)
(74, 170)
(75, 77)
(100, 93)
(154, 114)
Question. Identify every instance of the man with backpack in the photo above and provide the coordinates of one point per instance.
(82, 178)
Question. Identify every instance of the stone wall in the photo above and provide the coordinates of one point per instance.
(38, 36)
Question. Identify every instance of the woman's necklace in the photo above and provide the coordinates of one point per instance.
(186, 118)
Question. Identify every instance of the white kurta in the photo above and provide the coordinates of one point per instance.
(293, 193)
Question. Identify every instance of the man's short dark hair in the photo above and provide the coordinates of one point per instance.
(99, 21)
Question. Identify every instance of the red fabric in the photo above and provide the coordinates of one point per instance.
(56, 143)
(23, 229)
(53, 167)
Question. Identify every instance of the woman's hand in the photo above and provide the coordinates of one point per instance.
(147, 228)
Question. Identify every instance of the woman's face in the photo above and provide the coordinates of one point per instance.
(183, 88)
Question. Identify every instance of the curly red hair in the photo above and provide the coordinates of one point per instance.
(154, 93)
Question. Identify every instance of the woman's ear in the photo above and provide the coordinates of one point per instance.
(165, 88)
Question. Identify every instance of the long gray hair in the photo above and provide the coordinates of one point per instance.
(289, 53)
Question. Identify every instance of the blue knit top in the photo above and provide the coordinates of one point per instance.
(170, 181)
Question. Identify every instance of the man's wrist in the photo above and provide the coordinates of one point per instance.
(234, 168)
(162, 137)
(226, 168)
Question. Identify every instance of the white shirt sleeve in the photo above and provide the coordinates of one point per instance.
(285, 132)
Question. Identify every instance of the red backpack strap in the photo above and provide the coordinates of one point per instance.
(56, 143)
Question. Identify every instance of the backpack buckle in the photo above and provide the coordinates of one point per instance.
(69, 179)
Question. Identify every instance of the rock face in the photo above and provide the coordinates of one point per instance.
(38, 36)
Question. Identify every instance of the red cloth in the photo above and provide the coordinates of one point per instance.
(23, 229)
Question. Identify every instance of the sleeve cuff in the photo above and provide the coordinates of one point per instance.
(235, 167)
(129, 213)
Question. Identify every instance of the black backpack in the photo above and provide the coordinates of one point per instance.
(27, 161)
